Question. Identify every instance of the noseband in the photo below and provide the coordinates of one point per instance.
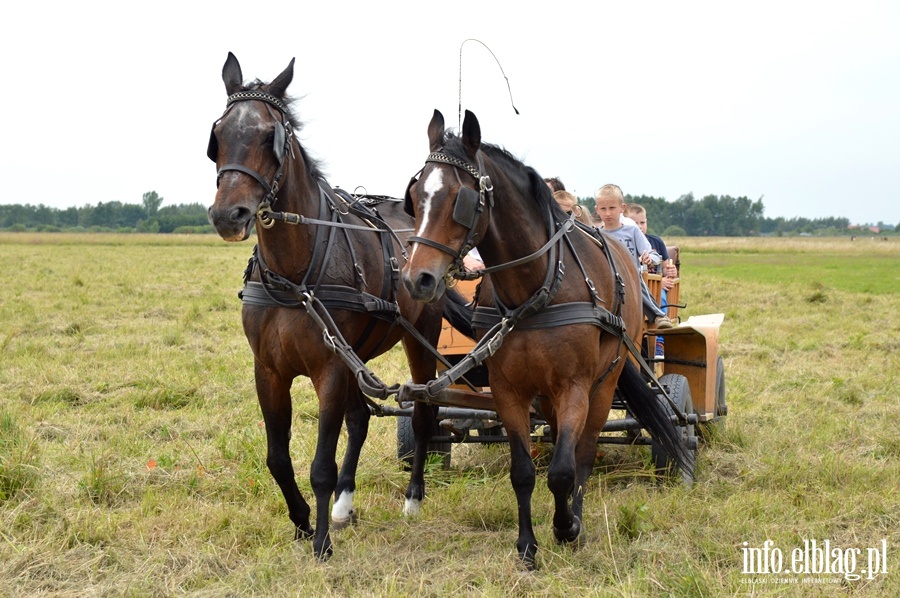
(467, 211)
(282, 146)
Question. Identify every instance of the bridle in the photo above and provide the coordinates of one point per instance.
(467, 211)
(281, 146)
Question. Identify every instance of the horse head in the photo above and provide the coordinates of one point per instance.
(448, 200)
(249, 143)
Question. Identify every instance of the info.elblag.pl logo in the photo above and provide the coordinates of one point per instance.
(822, 559)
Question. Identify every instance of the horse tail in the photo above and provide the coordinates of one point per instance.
(459, 312)
(654, 414)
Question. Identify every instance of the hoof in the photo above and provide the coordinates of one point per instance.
(339, 524)
(570, 535)
(303, 533)
(343, 513)
(527, 558)
(324, 553)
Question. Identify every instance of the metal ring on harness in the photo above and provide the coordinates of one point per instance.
(264, 215)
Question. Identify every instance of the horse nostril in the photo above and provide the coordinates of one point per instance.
(426, 281)
(239, 214)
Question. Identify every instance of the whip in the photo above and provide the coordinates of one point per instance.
(459, 114)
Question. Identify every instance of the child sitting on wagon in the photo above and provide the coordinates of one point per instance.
(610, 207)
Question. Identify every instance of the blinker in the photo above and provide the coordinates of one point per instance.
(466, 209)
(278, 143)
(407, 199)
(212, 150)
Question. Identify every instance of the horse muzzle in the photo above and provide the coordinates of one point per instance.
(232, 223)
(423, 285)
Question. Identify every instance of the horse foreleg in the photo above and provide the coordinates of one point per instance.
(521, 475)
(516, 419)
(357, 419)
(274, 397)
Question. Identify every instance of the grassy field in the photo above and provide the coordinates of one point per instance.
(132, 452)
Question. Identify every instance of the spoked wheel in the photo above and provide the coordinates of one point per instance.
(680, 393)
(716, 426)
(406, 445)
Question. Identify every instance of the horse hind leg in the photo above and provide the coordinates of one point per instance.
(561, 482)
(561, 475)
(424, 428)
(357, 418)
(323, 472)
(586, 450)
(275, 403)
(423, 367)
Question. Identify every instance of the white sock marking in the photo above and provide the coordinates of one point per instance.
(343, 507)
(411, 507)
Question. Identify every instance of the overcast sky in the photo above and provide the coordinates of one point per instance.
(794, 102)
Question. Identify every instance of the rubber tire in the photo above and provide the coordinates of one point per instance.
(715, 427)
(680, 393)
(406, 445)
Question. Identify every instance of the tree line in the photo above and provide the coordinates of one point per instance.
(727, 216)
(113, 216)
(713, 215)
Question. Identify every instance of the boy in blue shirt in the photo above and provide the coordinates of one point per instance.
(610, 207)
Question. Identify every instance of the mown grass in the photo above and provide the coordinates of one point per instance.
(132, 456)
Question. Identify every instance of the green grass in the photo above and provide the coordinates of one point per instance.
(132, 455)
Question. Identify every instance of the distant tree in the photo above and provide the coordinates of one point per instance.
(172, 217)
(68, 218)
(151, 203)
(589, 203)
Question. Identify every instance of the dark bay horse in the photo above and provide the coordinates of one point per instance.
(570, 296)
(321, 294)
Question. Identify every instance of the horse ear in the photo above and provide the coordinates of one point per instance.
(436, 131)
(471, 134)
(281, 82)
(231, 75)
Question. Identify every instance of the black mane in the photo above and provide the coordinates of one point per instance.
(510, 164)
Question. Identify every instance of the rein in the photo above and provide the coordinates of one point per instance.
(268, 217)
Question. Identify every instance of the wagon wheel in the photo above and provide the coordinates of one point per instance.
(680, 393)
(406, 445)
(715, 427)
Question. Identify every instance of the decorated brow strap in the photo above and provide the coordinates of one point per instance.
(445, 159)
(256, 95)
